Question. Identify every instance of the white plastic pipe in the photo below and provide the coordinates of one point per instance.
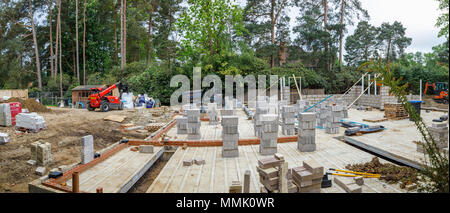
(420, 90)
(362, 85)
(369, 87)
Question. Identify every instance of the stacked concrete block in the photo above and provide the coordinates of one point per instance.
(182, 125)
(193, 124)
(307, 132)
(30, 121)
(87, 149)
(349, 185)
(270, 170)
(5, 115)
(260, 111)
(439, 132)
(213, 114)
(230, 136)
(288, 120)
(269, 134)
(4, 138)
(41, 153)
(322, 114)
(334, 115)
(287, 94)
(308, 178)
(40, 170)
(302, 105)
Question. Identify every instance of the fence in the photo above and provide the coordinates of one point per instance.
(51, 98)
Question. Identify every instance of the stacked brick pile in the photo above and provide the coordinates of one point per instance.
(394, 111)
(270, 170)
(334, 115)
(308, 178)
(269, 134)
(307, 132)
(230, 136)
(193, 123)
(213, 114)
(41, 153)
(439, 131)
(288, 120)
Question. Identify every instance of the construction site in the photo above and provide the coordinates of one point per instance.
(261, 97)
(361, 141)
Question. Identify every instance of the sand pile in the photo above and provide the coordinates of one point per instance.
(30, 104)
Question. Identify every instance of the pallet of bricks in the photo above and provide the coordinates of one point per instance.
(394, 111)
(303, 179)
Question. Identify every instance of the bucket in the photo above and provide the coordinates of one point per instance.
(417, 105)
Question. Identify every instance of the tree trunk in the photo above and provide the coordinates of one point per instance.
(76, 41)
(272, 20)
(341, 37)
(84, 43)
(56, 47)
(121, 34)
(36, 50)
(51, 37)
(149, 41)
(115, 44)
(125, 32)
(60, 49)
(388, 50)
(325, 19)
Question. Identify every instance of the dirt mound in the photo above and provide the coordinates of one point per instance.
(30, 104)
(389, 172)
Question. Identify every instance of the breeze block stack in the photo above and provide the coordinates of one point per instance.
(230, 136)
(30, 121)
(439, 132)
(260, 111)
(5, 115)
(213, 114)
(308, 178)
(307, 132)
(269, 134)
(288, 120)
(193, 124)
(334, 116)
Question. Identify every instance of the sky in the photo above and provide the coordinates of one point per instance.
(417, 16)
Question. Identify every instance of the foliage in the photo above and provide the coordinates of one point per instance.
(436, 164)
(443, 20)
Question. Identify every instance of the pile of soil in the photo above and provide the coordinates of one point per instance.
(391, 173)
(31, 104)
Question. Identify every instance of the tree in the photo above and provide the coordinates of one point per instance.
(58, 32)
(84, 43)
(443, 20)
(348, 10)
(36, 50)
(207, 27)
(393, 38)
(264, 17)
(362, 45)
(50, 20)
(76, 40)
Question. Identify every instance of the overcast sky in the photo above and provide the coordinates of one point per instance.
(417, 16)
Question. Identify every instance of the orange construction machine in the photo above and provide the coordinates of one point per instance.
(440, 91)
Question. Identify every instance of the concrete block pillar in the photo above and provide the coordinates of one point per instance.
(87, 149)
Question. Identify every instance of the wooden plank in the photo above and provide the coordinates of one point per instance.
(115, 118)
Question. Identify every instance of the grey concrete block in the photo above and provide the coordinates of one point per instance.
(267, 150)
(146, 149)
(230, 120)
(40, 171)
(307, 116)
(230, 129)
(87, 143)
(230, 153)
